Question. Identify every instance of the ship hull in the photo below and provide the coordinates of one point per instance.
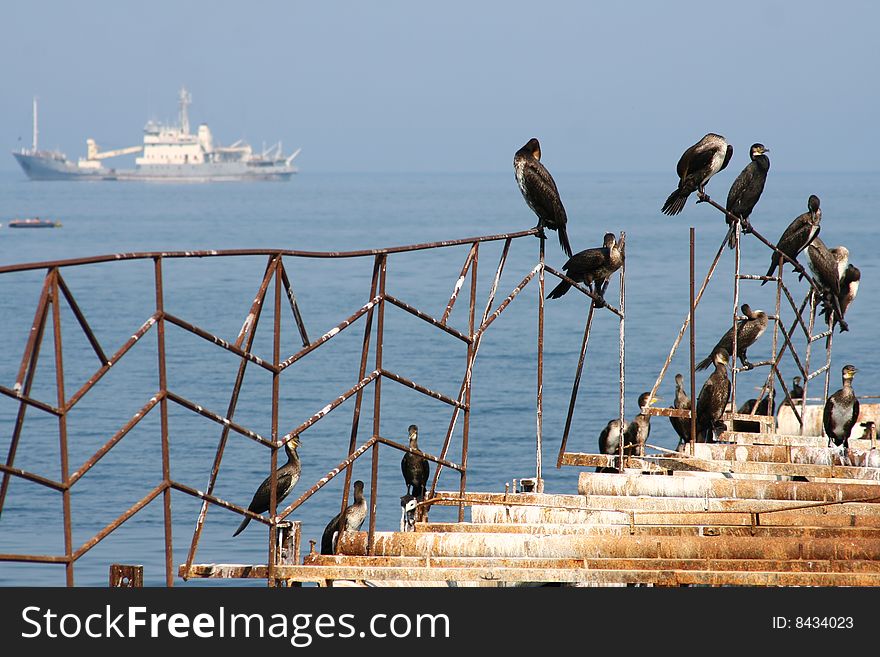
(40, 167)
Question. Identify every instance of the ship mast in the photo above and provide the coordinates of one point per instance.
(36, 131)
(185, 100)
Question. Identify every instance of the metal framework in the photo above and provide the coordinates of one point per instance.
(274, 287)
(807, 327)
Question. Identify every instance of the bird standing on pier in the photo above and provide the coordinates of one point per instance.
(415, 468)
(609, 440)
(713, 398)
(592, 267)
(349, 520)
(796, 394)
(841, 411)
(681, 425)
(746, 189)
(747, 333)
(799, 234)
(695, 167)
(539, 190)
(637, 432)
(286, 477)
(849, 287)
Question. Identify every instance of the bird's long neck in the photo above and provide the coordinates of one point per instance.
(358, 495)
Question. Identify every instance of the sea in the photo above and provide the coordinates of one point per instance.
(337, 212)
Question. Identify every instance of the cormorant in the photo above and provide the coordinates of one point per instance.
(799, 234)
(681, 425)
(415, 468)
(539, 191)
(636, 433)
(764, 408)
(796, 394)
(849, 287)
(841, 411)
(697, 164)
(746, 189)
(747, 332)
(827, 265)
(713, 398)
(591, 267)
(349, 520)
(286, 476)
(609, 441)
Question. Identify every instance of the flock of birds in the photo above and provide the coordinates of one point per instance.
(414, 466)
(836, 279)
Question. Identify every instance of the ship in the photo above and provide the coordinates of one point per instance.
(169, 153)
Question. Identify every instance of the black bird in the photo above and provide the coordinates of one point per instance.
(841, 411)
(796, 394)
(827, 265)
(591, 267)
(697, 164)
(286, 477)
(349, 520)
(636, 433)
(609, 441)
(849, 287)
(681, 425)
(763, 408)
(539, 190)
(415, 468)
(746, 189)
(747, 333)
(799, 234)
(713, 398)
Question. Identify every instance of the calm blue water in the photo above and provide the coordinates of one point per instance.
(354, 211)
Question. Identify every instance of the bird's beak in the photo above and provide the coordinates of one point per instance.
(654, 400)
(766, 150)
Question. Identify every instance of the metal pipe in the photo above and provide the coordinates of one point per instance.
(273, 454)
(458, 283)
(576, 384)
(62, 424)
(539, 402)
(377, 398)
(691, 321)
(163, 414)
(116, 257)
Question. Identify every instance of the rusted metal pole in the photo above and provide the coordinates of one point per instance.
(458, 283)
(576, 384)
(127, 576)
(539, 412)
(691, 323)
(377, 399)
(622, 343)
(471, 352)
(294, 307)
(733, 356)
(163, 413)
(803, 402)
(273, 458)
(62, 424)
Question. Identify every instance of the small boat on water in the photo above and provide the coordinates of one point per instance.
(34, 222)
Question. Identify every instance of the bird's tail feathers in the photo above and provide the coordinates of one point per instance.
(703, 364)
(244, 523)
(563, 241)
(675, 203)
(559, 290)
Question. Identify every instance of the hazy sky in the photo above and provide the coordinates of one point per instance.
(454, 85)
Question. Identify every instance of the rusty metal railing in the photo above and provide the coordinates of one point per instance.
(275, 285)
